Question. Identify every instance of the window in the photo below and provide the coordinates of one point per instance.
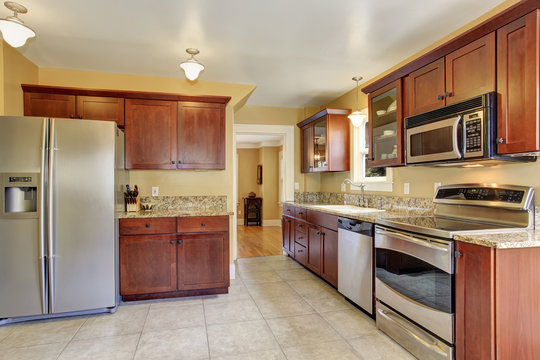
(376, 179)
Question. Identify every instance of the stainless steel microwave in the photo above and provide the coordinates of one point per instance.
(458, 134)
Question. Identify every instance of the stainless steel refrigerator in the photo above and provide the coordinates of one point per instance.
(58, 233)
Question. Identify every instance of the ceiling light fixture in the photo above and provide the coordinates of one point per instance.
(191, 66)
(357, 118)
(13, 29)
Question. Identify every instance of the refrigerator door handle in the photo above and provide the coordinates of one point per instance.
(50, 214)
(42, 225)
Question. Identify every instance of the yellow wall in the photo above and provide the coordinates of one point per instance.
(248, 159)
(421, 178)
(16, 70)
(269, 159)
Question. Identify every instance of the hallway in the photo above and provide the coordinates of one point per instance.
(259, 241)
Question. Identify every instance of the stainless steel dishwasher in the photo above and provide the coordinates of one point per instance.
(355, 262)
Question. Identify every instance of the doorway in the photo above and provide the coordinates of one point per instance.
(269, 148)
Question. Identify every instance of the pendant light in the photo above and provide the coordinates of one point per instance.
(13, 30)
(191, 66)
(357, 118)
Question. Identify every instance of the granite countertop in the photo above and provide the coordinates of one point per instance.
(172, 213)
(501, 240)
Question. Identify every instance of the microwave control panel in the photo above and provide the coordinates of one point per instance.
(473, 134)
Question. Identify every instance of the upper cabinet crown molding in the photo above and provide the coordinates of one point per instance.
(324, 112)
(490, 25)
(60, 90)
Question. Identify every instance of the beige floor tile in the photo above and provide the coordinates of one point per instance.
(158, 304)
(174, 317)
(253, 260)
(328, 302)
(337, 350)
(128, 319)
(106, 348)
(240, 338)
(188, 344)
(312, 288)
(5, 330)
(236, 293)
(260, 277)
(234, 311)
(283, 306)
(379, 347)
(295, 274)
(304, 329)
(253, 267)
(259, 355)
(269, 290)
(273, 258)
(38, 352)
(236, 282)
(43, 332)
(351, 323)
(285, 265)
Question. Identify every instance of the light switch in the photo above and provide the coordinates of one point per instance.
(296, 186)
(155, 190)
(406, 188)
(343, 188)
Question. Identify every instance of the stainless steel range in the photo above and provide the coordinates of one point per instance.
(414, 256)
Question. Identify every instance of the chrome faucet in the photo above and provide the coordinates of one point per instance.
(362, 188)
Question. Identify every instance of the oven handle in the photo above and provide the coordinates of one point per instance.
(422, 338)
(455, 143)
(425, 243)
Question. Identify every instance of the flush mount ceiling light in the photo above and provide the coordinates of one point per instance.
(191, 66)
(357, 118)
(13, 29)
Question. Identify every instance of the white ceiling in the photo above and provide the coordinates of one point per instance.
(297, 52)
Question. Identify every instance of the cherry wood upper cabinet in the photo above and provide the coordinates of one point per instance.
(201, 136)
(49, 105)
(426, 88)
(463, 74)
(101, 108)
(150, 134)
(470, 70)
(518, 85)
(325, 141)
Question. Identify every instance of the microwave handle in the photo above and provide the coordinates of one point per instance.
(455, 131)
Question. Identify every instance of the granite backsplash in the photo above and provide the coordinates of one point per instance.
(188, 203)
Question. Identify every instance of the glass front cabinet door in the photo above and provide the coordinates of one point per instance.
(386, 126)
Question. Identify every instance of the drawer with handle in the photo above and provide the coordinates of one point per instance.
(300, 238)
(144, 226)
(203, 224)
(300, 253)
(300, 226)
(288, 210)
(300, 213)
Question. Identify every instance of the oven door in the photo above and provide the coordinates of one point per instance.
(415, 276)
(439, 140)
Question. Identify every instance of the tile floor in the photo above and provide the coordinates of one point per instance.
(275, 309)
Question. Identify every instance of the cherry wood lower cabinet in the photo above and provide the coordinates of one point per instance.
(311, 239)
(188, 260)
(497, 303)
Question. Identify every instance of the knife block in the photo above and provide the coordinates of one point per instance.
(132, 204)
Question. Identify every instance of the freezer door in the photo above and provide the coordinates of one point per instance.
(83, 246)
(22, 273)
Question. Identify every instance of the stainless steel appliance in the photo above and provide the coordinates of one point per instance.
(414, 284)
(355, 262)
(58, 242)
(463, 133)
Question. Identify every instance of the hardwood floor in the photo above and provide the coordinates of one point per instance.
(259, 241)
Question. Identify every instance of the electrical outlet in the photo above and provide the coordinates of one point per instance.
(435, 186)
(406, 188)
(296, 186)
(343, 188)
(155, 191)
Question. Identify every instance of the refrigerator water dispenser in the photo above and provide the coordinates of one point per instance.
(19, 195)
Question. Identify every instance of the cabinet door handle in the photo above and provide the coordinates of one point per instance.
(203, 224)
(71, 116)
(457, 254)
(179, 242)
(300, 237)
(440, 97)
(172, 242)
(147, 225)
(79, 116)
(500, 140)
(172, 162)
(179, 161)
(300, 250)
(448, 94)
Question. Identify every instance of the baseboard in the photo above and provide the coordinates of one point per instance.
(232, 271)
(276, 222)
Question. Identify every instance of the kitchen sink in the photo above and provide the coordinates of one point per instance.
(351, 209)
